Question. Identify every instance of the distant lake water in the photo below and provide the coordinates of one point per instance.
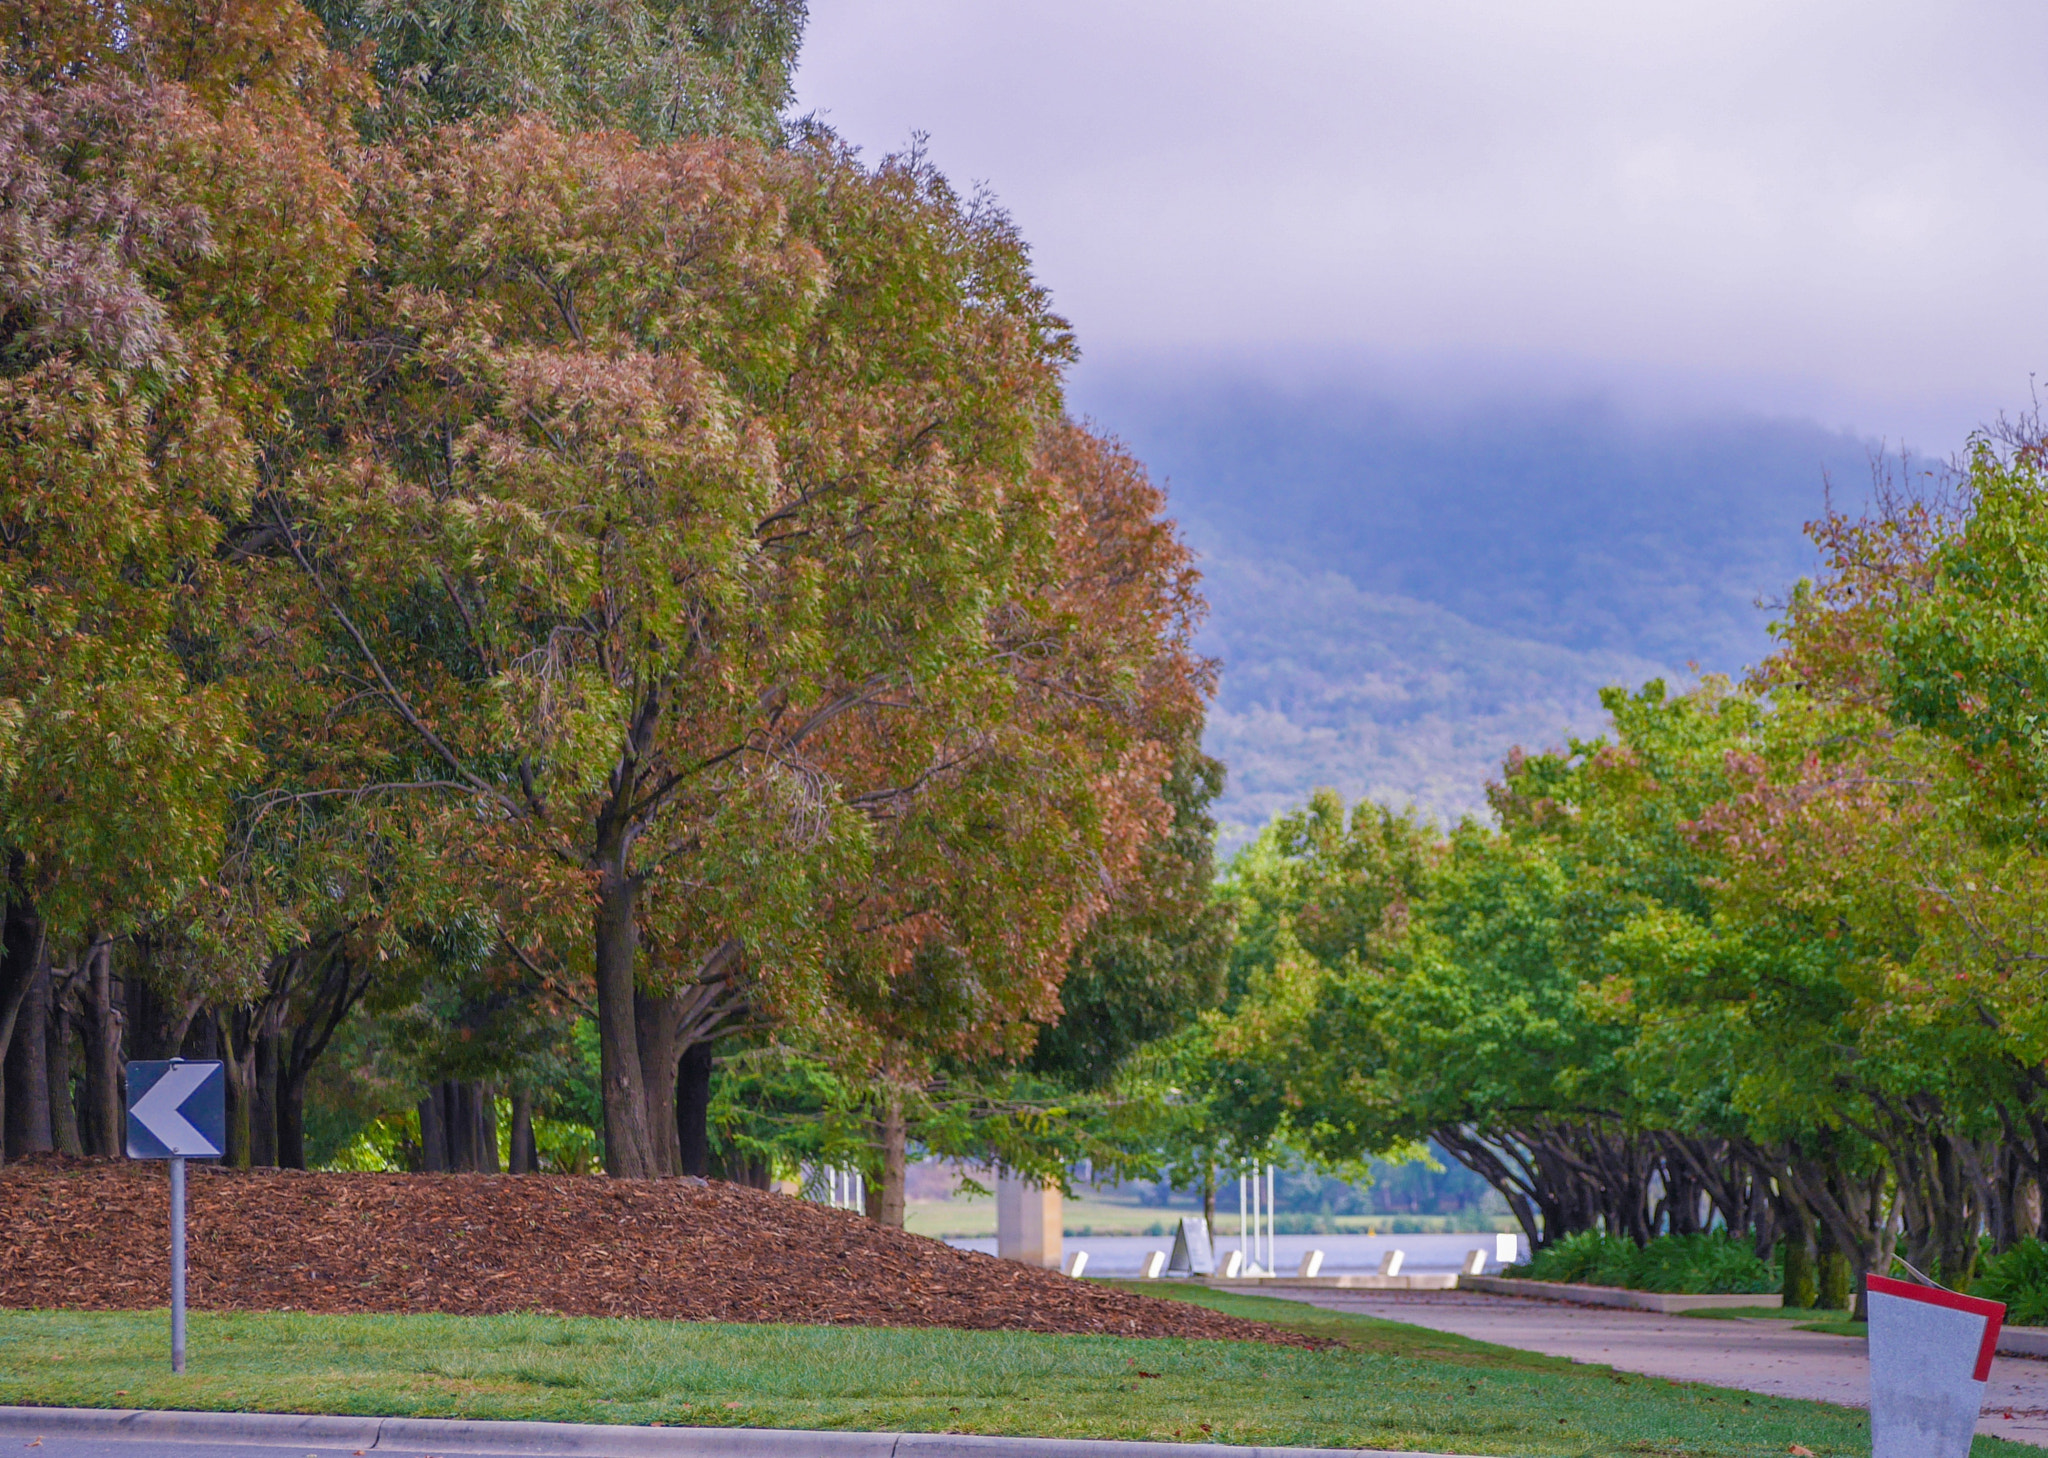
(1124, 1255)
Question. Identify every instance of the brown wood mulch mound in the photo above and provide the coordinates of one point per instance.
(93, 1235)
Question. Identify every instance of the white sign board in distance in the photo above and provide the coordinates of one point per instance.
(1930, 1355)
(1192, 1253)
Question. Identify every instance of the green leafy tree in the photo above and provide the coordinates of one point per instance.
(658, 70)
(176, 244)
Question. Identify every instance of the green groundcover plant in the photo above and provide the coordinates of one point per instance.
(2019, 1278)
(1708, 1263)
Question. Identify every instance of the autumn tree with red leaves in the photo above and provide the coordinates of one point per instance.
(665, 553)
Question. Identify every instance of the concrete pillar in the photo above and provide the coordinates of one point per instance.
(1028, 1223)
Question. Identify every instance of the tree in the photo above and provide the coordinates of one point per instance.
(174, 249)
(1036, 799)
(1158, 956)
(656, 467)
(661, 71)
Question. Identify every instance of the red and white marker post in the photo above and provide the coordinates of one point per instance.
(1930, 1355)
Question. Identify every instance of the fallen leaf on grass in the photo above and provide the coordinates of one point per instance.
(1799, 1452)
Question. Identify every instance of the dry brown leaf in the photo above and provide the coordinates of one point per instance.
(92, 1234)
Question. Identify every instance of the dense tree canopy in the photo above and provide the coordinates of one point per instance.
(1765, 957)
(515, 539)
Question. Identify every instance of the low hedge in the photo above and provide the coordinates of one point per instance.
(1692, 1265)
(2019, 1278)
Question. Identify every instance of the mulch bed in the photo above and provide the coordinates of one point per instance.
(92, 1235)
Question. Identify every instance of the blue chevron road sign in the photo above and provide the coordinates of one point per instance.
(177, 1109)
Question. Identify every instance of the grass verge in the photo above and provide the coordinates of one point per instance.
(1828, 1323)
(1387, 1386)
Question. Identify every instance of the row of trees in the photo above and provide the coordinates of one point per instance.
(1768, 957)
(499, 532)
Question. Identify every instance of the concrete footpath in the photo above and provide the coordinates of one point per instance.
(1756, 1354)
(69, 1432)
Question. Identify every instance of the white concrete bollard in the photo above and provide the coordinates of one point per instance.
(1232, 1264)
(1312, 1263)
(1390, 1263)
(1930, 1353)
(1154, 1264)
(1507, 1249)
(1077, 1263)
(1475, 1263)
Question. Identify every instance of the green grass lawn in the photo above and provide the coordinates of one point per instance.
(1389, 1386)
(1829, 1323)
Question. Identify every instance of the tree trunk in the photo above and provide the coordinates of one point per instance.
(105, 1118)
(628, 1151)
(202, 1039)
(434, 1130)
(886, 1205)
(291, 1122)
(27, 1072)
(1209, 1200)
(96, 1006)
(486, 1129)
(21, 960)
(57, 1066)
(342, 984)
(1832, 1277)
(157, 1024)
(459, 1128)
(238, 1057)
(1800, 1288)
(263, 1099)
(656, 1021)
(693, 1110)
(458, 1114)
(524, 1158)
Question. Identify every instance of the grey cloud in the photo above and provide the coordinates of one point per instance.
(1821, 207)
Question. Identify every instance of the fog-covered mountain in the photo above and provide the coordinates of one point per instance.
(1401, 593)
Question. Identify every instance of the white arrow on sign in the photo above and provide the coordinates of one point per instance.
(158, 1111)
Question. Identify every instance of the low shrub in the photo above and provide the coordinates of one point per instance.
(1707, 1264)
(2019, 1278)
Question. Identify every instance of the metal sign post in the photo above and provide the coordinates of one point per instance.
(177, 1110)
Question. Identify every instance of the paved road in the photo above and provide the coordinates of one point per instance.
(76, 1433)
(61, 1447)
(1756, 1355)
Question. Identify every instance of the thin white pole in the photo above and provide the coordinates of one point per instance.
(1255, 1217)
(177, 1263)
(1272, 1256)
(1258, 1228)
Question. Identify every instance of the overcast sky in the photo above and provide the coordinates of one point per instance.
(1801, 206)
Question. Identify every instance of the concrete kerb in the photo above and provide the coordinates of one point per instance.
(571, 1440)
(1668, 1303)
(2023, 1341)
